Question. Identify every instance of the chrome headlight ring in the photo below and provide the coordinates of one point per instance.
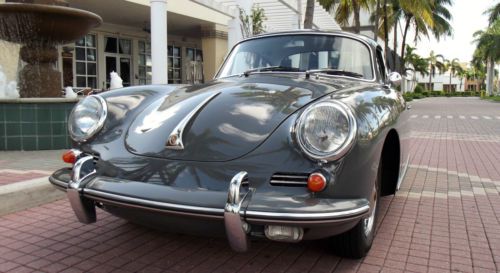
(94, 118)
(329, 115)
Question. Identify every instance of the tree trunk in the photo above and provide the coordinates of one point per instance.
(403, 44)
(430, 79)
(395, 47)
(449, 86)
(377, 21)
(357, 22)
(308, 20)
(490, 68)
(386, 32)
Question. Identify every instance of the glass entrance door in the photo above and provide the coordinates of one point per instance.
(118, 59)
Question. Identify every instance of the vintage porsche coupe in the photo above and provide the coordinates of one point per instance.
(296, 138)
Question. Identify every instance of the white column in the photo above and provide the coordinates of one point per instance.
(159, 56)
(233, 33)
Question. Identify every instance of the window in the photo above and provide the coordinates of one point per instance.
(118, 56)
(144, 62)
(194, 66)
(301, 53)
(174, 65)
(86, 62)
(381, 64)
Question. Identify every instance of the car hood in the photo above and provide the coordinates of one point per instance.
(222, 120)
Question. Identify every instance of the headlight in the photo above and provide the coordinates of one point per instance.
(87, 118)
(326, 130)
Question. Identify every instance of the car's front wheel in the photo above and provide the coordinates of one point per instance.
(356, 242)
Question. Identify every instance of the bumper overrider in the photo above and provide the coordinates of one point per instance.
(283, 221)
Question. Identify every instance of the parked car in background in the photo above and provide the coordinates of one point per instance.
(297, 138)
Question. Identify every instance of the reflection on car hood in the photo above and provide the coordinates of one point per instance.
(232, 119)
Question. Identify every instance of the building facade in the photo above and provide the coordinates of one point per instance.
(197, 35)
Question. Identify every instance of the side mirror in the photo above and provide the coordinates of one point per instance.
(395, 78)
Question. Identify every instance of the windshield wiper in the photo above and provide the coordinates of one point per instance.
(271, 68)
(331, 71)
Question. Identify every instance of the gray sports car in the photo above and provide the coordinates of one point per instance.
(296, 138)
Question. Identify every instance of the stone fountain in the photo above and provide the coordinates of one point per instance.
(39, 26)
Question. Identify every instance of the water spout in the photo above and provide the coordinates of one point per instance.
(8, 90)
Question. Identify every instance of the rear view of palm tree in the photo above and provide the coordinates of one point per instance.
(454, 68)
(493, 13)
(488, 48)
(347, 8)
(435, 62)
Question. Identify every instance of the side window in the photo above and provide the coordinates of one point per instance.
(381, 64)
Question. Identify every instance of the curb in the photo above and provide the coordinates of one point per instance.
(27, 194)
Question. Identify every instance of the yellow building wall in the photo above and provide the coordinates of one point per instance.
(214, 51)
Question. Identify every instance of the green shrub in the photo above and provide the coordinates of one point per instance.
(425, 93)
(418, 89)
(467, 94)
(408, 96)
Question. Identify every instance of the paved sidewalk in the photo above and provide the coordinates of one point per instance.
(24, 179)
(445, 218)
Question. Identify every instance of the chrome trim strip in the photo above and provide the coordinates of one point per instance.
(288, 182)
(196, 209)
(150, 203)
(174, 141)
(309, 216)
(290, 176)
(236, 227)
(400, 180)
(59, 183)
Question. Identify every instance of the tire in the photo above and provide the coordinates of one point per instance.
(356, 242)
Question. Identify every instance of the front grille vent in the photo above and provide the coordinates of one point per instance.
(289, 179)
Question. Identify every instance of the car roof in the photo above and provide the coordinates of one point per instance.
(366, 39)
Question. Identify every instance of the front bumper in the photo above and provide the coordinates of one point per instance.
(241, 208)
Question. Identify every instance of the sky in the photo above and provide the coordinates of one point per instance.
(467, 18)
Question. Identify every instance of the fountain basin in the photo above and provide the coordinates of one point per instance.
(35, 24)
(34, 123)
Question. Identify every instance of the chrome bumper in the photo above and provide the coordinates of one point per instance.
(235, 214)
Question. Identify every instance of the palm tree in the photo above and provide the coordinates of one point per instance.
(429, 16)
(488, 48)
(347, 8)
(454, 67)
(435, 62)
(416, 63)
(494, 13)
(309, 15)
(461, 73)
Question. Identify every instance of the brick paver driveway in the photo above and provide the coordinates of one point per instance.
(445, 218)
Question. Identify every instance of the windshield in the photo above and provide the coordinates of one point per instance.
(296, 53)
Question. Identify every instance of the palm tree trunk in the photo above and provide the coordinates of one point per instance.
(490, 69)
(403, 44)
(386, 32)
(395, 46)
(430, 78)
(308, 20)
(449, 86)
(377, 19)
(357, 22)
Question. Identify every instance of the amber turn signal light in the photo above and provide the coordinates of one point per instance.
(69, 157)
(316, 182)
